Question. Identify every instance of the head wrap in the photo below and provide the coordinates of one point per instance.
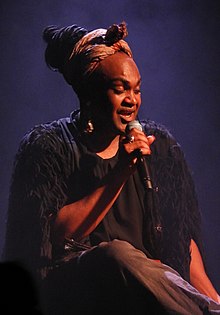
(91, 49)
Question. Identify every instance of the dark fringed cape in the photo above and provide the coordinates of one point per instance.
(40, 187)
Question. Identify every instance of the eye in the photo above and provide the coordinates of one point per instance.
(119, 89)
(137, 91)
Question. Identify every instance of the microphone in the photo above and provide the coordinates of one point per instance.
(143, 167)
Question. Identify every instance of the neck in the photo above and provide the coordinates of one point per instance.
(103, 145)
(110, 150)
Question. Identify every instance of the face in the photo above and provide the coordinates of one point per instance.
(118, 90)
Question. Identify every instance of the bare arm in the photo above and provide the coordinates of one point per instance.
(80, 218)
(198, 277)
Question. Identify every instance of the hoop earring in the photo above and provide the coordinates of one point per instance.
(89, 127)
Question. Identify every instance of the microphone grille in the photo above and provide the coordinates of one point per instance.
(133, 124)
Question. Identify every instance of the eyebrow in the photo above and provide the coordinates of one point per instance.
(124, 81)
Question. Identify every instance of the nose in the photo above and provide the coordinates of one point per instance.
(131, 98)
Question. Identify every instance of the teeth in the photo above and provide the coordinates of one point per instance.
(126, 114)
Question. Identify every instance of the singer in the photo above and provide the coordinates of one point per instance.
(80, 218)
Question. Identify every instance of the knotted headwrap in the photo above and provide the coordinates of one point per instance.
(91, 49)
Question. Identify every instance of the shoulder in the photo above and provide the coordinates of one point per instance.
(43, 144)
(39, 133)
(43, 136)
(165, 142)
(42, 153)
(152, 127)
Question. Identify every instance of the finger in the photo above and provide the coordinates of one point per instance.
(130, 138)
(127, 139)
(151, 139)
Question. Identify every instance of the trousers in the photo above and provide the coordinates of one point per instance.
(116, 278)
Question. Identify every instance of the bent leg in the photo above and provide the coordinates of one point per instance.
(116, 278)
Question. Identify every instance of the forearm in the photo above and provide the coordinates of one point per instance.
(203, 284)
(80, 218)
(198, 277)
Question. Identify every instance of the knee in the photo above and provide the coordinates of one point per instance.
(116, 250)
(114, 255)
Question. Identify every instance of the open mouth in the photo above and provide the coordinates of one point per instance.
(127, 116)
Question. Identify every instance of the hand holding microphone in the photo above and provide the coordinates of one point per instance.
(142, 164)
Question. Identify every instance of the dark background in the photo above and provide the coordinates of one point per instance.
(176, 44)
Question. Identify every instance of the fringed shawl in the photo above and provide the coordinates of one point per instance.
(39, 188)
(176, 199)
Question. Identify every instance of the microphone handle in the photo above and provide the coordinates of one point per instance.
(144, 172)
(142, 164)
